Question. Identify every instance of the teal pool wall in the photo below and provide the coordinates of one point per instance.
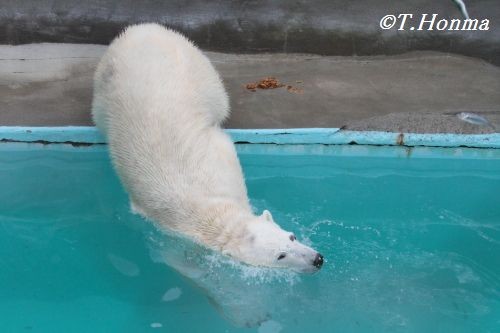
(328, 136)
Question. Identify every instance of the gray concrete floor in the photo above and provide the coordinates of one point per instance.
(420, 92)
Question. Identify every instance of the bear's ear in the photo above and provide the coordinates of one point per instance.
(267, 215)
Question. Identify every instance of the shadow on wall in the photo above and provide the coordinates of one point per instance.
(318, 26)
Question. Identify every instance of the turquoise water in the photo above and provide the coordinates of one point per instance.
(411, 238)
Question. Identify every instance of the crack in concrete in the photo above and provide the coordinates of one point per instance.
(45, 142)
(56, 58)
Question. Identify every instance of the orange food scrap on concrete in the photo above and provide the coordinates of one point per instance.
(271, 83)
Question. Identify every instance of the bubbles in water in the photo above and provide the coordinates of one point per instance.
(171, 294)
(156, 325)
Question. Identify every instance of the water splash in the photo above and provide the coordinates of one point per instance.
(245, 295)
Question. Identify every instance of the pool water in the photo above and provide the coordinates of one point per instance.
(411, 238)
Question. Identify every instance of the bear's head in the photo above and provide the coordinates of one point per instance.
(264, 243)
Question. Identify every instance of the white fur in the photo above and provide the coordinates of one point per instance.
(160, 103)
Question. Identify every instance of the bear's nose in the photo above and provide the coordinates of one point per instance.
(318, 261)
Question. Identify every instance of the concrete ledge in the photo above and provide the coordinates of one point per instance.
(420, 92)
(324, 136)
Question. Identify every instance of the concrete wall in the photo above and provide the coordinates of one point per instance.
(328, 27)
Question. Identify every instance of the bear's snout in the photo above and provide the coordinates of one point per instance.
(318, 261)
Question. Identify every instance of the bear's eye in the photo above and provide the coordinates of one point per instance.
(292, 237)
(281, 256)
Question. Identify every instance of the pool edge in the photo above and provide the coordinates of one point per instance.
(326, 136)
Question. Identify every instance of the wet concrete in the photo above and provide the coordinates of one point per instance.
(325, 27)
(419, 92)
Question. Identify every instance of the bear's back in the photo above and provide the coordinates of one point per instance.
(160, 102)
(151, 69)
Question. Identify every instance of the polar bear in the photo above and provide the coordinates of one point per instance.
(160, 103)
